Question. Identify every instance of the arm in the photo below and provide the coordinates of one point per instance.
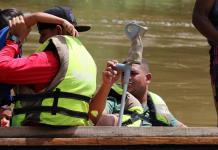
(97, 105)
(174, 122)
(21, 26)
(34, 18)
(162, 108)
(37, 68)
(201, 21)
(169, 116)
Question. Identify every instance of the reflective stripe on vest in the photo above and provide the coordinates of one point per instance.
(77, 75)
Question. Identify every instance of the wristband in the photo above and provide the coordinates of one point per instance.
(15, 39)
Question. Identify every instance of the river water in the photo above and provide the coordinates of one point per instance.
(177, 53)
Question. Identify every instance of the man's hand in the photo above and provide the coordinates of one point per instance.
(111, 74)
(70, 28)
(18, 27)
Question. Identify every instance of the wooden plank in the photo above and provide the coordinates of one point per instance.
(109, 141)
(107, 136)
(33, 132)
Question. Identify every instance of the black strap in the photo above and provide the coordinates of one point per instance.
(60, 110)
(55, 102)
(134, 117)
(28, 97)
(54, 108)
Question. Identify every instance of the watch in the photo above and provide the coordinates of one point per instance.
(15, 39)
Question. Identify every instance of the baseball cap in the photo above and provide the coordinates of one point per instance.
(65, 13)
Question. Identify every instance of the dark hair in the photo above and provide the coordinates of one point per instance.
(145, 65)
(8, 14)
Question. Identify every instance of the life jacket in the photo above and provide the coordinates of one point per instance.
(159, 114)
(132, 106)
(65, 102)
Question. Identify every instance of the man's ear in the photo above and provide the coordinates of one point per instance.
(149, 77)
(59, 30)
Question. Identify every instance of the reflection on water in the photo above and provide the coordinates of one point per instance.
(177, 53)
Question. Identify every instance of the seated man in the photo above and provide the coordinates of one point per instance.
(153, 111)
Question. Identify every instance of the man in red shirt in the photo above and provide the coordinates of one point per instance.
(38, 70)
(32, 19)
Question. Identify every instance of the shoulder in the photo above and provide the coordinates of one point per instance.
(156, 98)
(45, 57)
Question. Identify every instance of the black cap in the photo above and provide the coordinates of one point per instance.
(65, 13)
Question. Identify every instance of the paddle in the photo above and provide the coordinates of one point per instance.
(134, 33)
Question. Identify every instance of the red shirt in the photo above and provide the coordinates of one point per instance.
(38, 69)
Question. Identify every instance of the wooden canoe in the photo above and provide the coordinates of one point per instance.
(109, 137)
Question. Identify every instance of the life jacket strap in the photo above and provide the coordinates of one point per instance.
(135, 117)
(131, 120)
(60, 110)
(52, 94)
(55, 101)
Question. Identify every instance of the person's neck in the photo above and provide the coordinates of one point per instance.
(143, 98)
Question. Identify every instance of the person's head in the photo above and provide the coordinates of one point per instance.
(8, 14)
(47, 30)
(5, 116)
(139, 79)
